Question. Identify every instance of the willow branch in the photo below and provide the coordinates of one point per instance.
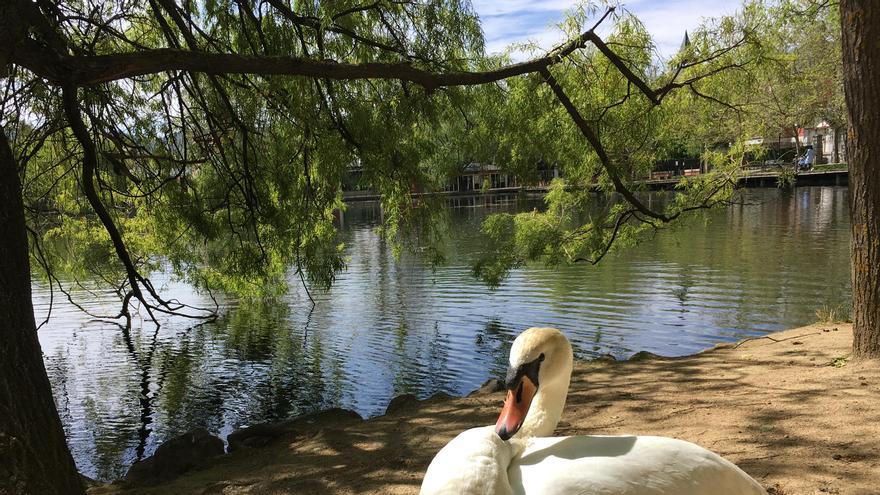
(90, 161)
(623, 68)
(86, 70)
(89, 169)
(593, 139)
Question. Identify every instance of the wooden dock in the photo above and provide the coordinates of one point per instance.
(767, 178)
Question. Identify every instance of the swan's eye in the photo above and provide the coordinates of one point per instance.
(519, 392)
(541, 357)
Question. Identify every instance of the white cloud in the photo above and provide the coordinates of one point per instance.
(667, 20)
(521, 21)
(490, 7)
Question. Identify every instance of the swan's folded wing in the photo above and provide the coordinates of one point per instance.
(625, 465)
(471, 464)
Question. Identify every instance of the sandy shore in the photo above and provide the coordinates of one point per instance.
(787, 409)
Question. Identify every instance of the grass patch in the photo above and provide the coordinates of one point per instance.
(840, 313)
(839, 362)
(829, 167)
(786, 178)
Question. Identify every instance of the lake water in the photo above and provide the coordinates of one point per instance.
(390, 326)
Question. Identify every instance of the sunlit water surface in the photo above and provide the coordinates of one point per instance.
(389, 327)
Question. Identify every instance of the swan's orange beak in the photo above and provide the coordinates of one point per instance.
(516, 406)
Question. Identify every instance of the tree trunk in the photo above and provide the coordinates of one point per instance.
(33, 453)
(860, 22)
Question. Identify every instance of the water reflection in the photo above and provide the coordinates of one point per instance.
(396, 326)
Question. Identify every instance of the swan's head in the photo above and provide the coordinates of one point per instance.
(536, 382)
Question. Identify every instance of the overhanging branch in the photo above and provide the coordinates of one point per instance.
(82, 70)
(593, 139)
(623, 68)
(136, 281)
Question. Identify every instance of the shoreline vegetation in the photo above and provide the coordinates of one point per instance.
(790, 408)
(835, 174)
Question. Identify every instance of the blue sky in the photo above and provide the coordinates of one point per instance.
(519, 21)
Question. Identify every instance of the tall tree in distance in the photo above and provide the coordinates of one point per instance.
(860, 25)
(800, 84)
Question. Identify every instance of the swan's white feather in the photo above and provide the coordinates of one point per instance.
(625, 465)
(473, 463)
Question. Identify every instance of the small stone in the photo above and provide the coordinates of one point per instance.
(797, 342)
(605, 358)
(489, 386)
(259, 435)
(644, 356)
(174, 457)
(439, 396)
(334, 415)
(256, 436)
(401, 402)
(837, 457)
(89, 482)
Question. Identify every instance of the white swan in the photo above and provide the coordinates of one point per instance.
(517, 455)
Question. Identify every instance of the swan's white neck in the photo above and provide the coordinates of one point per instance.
(547, 406)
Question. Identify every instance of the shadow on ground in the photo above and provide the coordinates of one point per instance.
(776, 407)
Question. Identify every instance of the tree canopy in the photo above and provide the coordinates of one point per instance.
(178, 137)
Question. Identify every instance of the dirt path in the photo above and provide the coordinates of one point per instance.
(778, 408)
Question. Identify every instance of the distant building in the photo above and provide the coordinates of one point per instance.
(473, 178)
(829, 143)
(474, 175)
